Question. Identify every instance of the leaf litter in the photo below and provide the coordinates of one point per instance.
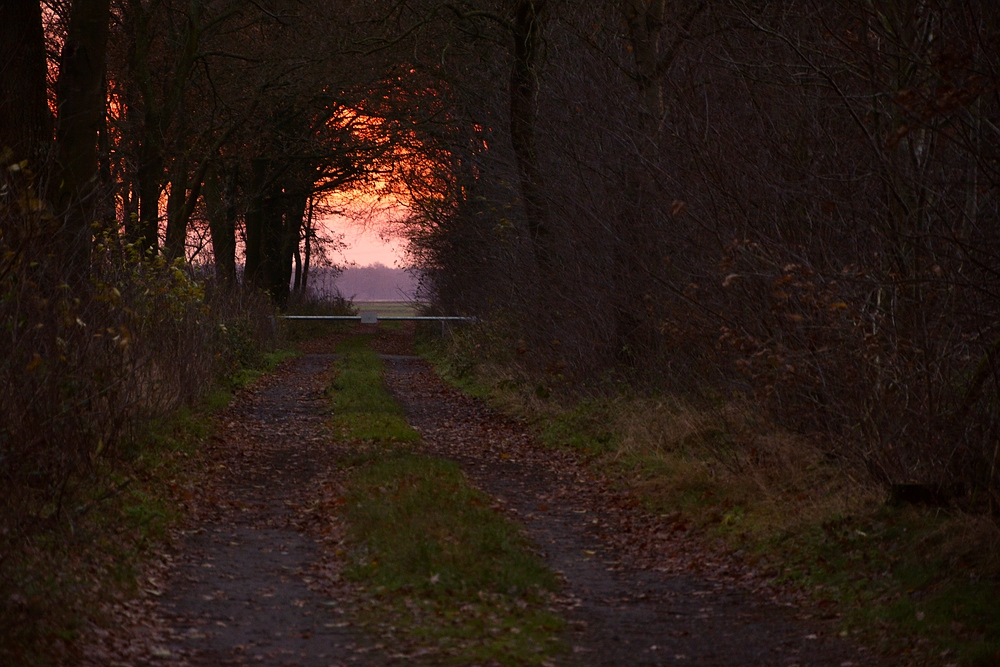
(255, 575)
(242, 581)
(639, 589)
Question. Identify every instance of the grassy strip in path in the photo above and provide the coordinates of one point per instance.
(362, 408)
(448, 576)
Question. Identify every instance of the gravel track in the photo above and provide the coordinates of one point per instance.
(239, 591)
(240, 585)
(637, 593)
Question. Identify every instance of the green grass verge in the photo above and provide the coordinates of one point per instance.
(902, 580)
(905, 579)
(384, 308)
(910, 580)
(219, 397)
(442, 570)
(297, 331)
(91, 555)
(65, 576)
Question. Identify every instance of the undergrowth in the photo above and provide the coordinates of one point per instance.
(107, 374)
(440, 567)
(60, 581)
(914, 580)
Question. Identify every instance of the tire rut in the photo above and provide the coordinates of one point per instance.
(239, 590)
(628, 601)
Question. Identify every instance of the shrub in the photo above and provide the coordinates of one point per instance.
(90, 359)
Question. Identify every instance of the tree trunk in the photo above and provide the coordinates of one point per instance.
(271, 243)
(179, 216)
(104, 147)
(255, 222)
(128, 185)
(149, 175)
(527, 30)
(130, 206)
(221, 224)
(646, 20)
(25, 121)
(645, 23)
(638, 244)
(297, 285)
(81, 104)
(308, 243)
(157, 113)
(295, 212)
(173, 244)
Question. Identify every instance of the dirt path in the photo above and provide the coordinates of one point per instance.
(638, 592)
(239, 588)
(242, 586)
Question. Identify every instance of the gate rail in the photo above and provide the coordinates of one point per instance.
(371, 317)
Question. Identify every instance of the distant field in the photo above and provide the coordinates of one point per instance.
(384, 308)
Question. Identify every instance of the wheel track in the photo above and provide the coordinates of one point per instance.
(630, 600)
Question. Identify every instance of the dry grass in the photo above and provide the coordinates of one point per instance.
(915, 579)
(767, 481)
(724, 464)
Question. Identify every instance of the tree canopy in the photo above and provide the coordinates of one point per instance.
(794, 200)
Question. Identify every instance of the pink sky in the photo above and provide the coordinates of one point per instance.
(364, 245)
